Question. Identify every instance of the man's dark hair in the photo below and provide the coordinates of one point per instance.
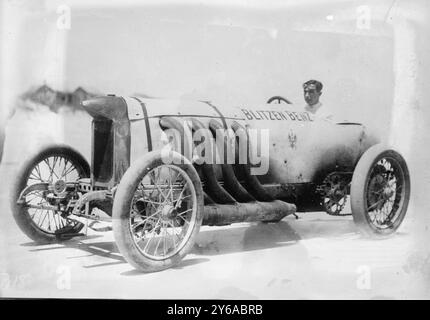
(318, 85)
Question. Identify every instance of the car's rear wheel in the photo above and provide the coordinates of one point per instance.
(380, 191)
(157, 212)
(35, 187)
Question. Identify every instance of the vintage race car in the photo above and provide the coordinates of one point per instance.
(162, 168)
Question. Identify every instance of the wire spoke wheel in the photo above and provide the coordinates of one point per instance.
(163, 212)
(334, 207)
(157, 212)
(40, 194)
(334, 193)
(56, 171)
(385, 192)
(380, 191)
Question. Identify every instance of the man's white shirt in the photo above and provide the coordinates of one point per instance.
(314, 108)
(319, 112)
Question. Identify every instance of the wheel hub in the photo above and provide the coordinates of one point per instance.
(57, 192)
(387, 193)
(168, 212)
(59, 186)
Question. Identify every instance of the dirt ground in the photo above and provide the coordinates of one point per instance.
(314, 257)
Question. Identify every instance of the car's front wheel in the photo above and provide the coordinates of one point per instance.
(380, 191)
(157, 212)
(41, 188)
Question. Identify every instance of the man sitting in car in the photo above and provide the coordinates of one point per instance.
(312, 91)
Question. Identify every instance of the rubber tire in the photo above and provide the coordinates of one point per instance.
(121, 212)
(358, 190)
(21, 216)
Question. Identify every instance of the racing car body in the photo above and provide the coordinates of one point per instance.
(161, 168)
(301, 149)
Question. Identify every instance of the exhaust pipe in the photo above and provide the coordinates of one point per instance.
(225, 214)
(231, 183)
(214, 189)
(252, 184)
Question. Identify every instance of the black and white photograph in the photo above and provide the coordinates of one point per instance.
(218, 150)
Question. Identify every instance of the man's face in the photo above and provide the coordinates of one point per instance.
(311, 95)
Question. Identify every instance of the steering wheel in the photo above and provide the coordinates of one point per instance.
(279, 98)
